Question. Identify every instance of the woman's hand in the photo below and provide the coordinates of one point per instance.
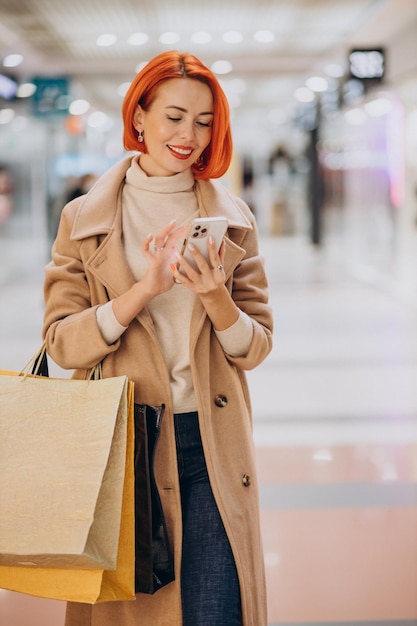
(160, 252)
(209, 284)
(158, 277)
(210, 275)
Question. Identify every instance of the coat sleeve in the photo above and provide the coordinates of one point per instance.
(72, 335)
(250, 292)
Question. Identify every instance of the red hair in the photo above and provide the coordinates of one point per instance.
(215, 159)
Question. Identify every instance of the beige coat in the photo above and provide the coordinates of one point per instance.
(89, 268)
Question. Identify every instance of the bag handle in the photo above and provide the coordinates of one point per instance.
(38, 366)
(39, 363)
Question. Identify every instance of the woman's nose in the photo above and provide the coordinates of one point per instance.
(187, 130)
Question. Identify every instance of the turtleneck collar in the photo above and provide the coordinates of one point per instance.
(135, 176)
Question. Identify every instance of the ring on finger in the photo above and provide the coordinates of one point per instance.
(158, 248)
(220, 267)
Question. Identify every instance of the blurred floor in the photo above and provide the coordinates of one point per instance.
(335, 411)
(336, 433)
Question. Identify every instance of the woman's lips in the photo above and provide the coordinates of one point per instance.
(181, 152)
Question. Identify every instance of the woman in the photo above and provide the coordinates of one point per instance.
(115, 293)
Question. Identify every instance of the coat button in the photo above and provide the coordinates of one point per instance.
(246, 480)
(220, 400)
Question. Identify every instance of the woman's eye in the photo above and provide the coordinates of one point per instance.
(199, 123)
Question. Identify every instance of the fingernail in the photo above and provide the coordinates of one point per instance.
(172, 266)
(191, 246)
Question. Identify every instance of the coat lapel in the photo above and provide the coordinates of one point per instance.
(100, 215)
(214, 200)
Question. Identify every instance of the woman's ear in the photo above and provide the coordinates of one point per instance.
(138, 118)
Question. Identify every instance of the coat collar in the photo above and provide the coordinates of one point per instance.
(97, 213)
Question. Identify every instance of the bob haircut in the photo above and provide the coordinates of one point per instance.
(215, 159)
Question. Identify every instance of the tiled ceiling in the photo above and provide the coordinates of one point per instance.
(58, 37)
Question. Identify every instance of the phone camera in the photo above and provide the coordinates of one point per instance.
(199, 231)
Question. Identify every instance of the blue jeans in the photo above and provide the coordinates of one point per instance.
(209, 582)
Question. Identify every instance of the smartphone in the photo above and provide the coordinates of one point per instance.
(199, 232)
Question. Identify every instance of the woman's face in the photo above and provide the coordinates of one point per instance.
(176, 127)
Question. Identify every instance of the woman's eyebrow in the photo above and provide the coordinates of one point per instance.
(173, 106)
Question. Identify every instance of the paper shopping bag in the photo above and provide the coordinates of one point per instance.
(67, 488)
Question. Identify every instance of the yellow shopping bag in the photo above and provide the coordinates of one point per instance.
(67, 487)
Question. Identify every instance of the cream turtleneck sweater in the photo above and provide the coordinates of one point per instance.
(148, 205)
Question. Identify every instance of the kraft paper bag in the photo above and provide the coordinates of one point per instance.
(67, 488)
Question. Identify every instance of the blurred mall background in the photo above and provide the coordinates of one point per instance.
(323, 95)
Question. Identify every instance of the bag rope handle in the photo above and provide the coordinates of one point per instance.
(38, 366)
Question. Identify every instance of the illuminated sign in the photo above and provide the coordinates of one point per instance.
(51, 95)
(367, 64)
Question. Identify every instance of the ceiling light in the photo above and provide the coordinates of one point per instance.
(13, 60)
(79, 107)
(105, 40)
(25, 90)
(138, 39)
(221, 67)
(233, 36)
(317, 83)
(264, 36)
(201, 37)
(303, 94)
(169, 37)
